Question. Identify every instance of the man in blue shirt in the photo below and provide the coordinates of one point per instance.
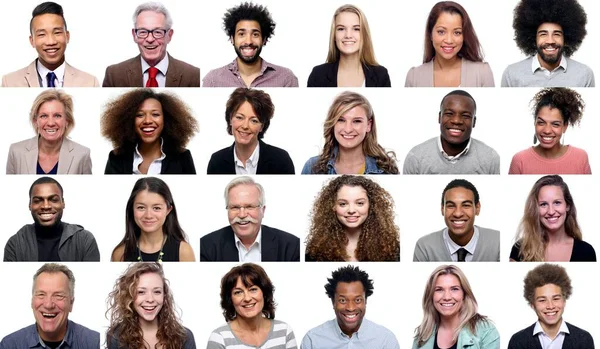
(348, 288)
(52, 301)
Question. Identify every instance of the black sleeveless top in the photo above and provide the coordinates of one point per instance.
(170, 253)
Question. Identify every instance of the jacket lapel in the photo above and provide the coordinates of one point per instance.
(134, 73)
(69, 81)
(174, 74)
(263, 158)
(31, 76)
(230, 252)
(31, 155)
(65, 158)
(268, 244)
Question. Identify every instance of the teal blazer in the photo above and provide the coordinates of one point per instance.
(486, 337)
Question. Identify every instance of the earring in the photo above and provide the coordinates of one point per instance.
(534, 139)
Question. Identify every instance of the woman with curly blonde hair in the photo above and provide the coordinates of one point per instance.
(450, 317)
(549, 231)
(142, 312)
(351, 145)
(149, 131)
(353, 220)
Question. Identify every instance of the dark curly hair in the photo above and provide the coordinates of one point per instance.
(530, 14)
(117, 122)
(248, 11)
(568, 101)
(379, 238)
(251, 274)
(545, 274)
(348, 274)
(260, 102)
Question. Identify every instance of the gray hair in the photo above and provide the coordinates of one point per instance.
(154, 7)
(54, 268)
(239, 180)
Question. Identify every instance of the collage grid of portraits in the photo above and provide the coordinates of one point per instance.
(101, 35)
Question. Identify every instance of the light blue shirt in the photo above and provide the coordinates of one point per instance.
(369, 336)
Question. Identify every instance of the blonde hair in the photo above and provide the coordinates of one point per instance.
(49, 96)
(365, 51)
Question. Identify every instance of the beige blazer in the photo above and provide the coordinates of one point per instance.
(472, 74)
(28, 77)
(74, 158)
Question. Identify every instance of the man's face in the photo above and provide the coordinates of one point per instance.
(153, 50)
(248, 41)
(350, 306)
(549, 41)
(49, 38)
(457, 119)
(51, 303)
(244, 211)
(46, 204)
(459, 211)
(549, 304)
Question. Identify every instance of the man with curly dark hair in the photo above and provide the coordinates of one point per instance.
(547, 288)
(249, 27)
(549, 32)
(348, 288)
(461, 240)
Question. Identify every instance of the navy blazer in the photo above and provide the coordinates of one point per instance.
(173, 163)
(325, 75)
(576, 339)
(275, 246)
(271, 160)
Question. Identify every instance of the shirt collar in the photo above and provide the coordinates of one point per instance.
(264, 65)
(362, 329)
(470, 246)
(239, 244)
(253, 158)
(35, 339)
(162, 66)
(137, 156)
(455, 157)
(43, 72)
(535, 64)
(537, 329)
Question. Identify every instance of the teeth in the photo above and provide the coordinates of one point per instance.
(151, 47)
(46, 215)
(455, 130)
(49, 315)
(51, 131)
(551, 314)
(148, 129)
(350, 316)
(348, 136)
(447, 304)
(249, 306)
(149, 308)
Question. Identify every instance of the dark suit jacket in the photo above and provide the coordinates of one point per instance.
(129, 74)
(173, 163)
(276, 246)
(271, 160)
(325, 75)
(576, 339)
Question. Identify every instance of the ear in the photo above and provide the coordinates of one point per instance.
(133, 35)
(169, 209)
(443, 210)
(440, 117)
(369, 124)
(68, 35)
(477, 208)
(31, 41)
(474, 121)
(231, 40)
(169, 36)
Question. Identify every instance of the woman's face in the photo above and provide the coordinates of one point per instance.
(352, 206)
(246, 125)
(351, 128)
(447, 35)
(552, 208)
(448, 295)
(51, 121)
(549, 127)
(150, 212)
(247, 301)
(347, 33)
(149, 297)
(149, 121)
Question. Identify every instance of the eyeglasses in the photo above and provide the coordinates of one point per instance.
(238, 208)
(142, 33)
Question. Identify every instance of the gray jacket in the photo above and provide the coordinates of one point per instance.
(76, 245)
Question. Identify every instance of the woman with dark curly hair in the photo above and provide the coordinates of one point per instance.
(351, 145)
(152, 231)
(549, 231)
(249, 309)
(554, 109)
(142, 312)
(453, 56)
(149, 131)
(353, 220)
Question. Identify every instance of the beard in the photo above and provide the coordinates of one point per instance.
(550, 59)
(246, 59)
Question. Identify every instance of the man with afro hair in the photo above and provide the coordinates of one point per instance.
(549, 32)
(249, 27)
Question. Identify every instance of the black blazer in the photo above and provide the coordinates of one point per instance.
(325, 75)
(576, 339)
(276, 246)
(271, 160)
(173, 163)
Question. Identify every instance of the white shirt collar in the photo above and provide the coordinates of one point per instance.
(453, 246)
(156, 165)
(455, 158)
(551, 343)
(43, 72)
(251, 164)
(535, 65)
(161, 66)
(252, 254)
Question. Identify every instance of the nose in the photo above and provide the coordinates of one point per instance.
(350, 306)
(48, 303)
(247, 297)
(147, 119)
(457, 212)
(348, 126)
(547, 129)
(550, 304)
(351, 209)
(51, 40)
(449, 38)
(150, 37)
(551, 209)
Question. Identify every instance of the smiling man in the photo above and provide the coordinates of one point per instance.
(52, 300)
(246, 239)
(547, 288)
(49, 36)
(348, 288)
(153, 67)
(461, 240)
(454, 151)
(49, 238)
(549, 32)
(249, 27)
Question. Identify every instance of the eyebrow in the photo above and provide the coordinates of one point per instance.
(45, 197)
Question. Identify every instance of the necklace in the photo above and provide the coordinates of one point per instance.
(160, 253)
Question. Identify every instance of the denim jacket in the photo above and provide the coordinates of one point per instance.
(370, 168)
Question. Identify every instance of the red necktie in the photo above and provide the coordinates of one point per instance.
(152, 71)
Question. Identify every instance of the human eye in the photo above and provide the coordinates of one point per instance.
(255, 121)
(341, 120)
(358, 300)
(140, 208)
(556, 124)
(141, 291)
(357, 121)
(158, 291)
(55, 199)
(342, 204)
(254, 289)
(157, 208)
(540, 122)
(43, 116)
(60, 297)
(441, 32)
(342, 300)
(458, 32)
(238, 117)
(543, 204)
(237, 292)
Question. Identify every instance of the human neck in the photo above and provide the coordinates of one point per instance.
(248, 241)
(150, 149)
(440, 63)
(57, 336)
(462, 240)
(551, 330)
(353, 234)
(551, 153)
(449, 323)
(244, 151)
(152, 239)
(52, 67)
(353, 155)
(149, 326)
(50, 148)
(348, 62)
(558, 236)
(248, 69)
(547, 65)
(454, 149)
(253, 324)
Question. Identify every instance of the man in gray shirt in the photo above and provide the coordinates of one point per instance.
(453, 151)
(52, 300)
(461, 240)
(549, 32)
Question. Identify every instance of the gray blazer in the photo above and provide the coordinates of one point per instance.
(74, 158)
(472, 74)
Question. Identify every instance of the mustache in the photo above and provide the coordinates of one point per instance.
(556, 46)
(243, 220)
(248, 46)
